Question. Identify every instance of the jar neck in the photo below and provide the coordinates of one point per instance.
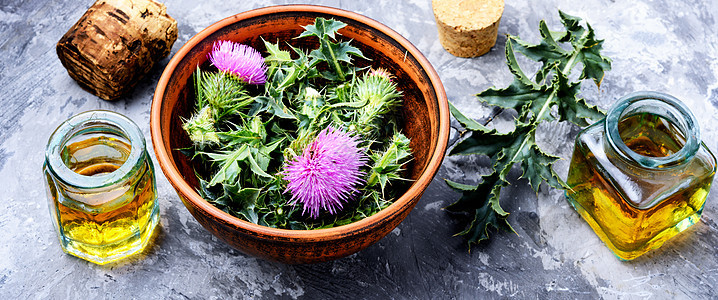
(662, 105)
(95, 123)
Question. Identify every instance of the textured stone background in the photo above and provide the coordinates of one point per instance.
(660, 45)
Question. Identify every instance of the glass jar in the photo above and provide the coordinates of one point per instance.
(641, 176)
(101, 186)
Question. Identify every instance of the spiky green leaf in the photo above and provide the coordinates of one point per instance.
(244, 203)
(322, 28)
(276, 55)
(482, 203)
(588, 48)
(571, 107)
(537, 168)
(229, 165)
(465, 121)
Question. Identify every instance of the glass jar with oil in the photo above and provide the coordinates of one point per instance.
(101, 187)
(642, 175)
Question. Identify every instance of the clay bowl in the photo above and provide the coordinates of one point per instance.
(425, 113)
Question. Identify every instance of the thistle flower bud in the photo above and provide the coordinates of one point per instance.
(381, 73)
(381, 95)
(311, 94)
(200, 127)
(313, 103)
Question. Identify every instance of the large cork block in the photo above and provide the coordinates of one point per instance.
(115, 43)
(468, 28)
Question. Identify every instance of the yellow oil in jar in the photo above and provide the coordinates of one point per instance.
(634, 210)
(108, 225)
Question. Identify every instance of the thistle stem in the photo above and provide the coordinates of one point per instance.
(566, 70)
(336, 66)
(545, 108)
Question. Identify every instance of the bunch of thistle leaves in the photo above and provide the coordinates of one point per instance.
(245, 140)
(534, 101)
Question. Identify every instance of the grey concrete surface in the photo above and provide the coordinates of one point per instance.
(660, 45)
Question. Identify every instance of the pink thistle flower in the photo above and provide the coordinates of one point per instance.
(327, 173)
(239, 60)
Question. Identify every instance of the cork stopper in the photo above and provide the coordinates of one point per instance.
(468, 28)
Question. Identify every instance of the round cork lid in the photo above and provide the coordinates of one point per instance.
(465, 15)
(467, 28)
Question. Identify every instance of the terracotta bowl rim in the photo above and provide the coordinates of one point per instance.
(184, 189)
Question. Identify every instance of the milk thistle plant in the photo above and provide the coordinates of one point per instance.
(297, 139)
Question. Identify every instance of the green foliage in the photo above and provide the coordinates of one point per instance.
(331, 52)
(533, 100)
(242, 138)
(387, 164)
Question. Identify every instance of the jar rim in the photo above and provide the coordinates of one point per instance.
(674, 111)
(72, 126)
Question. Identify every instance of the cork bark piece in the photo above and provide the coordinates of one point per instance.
(115, 43)
(468, 28)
